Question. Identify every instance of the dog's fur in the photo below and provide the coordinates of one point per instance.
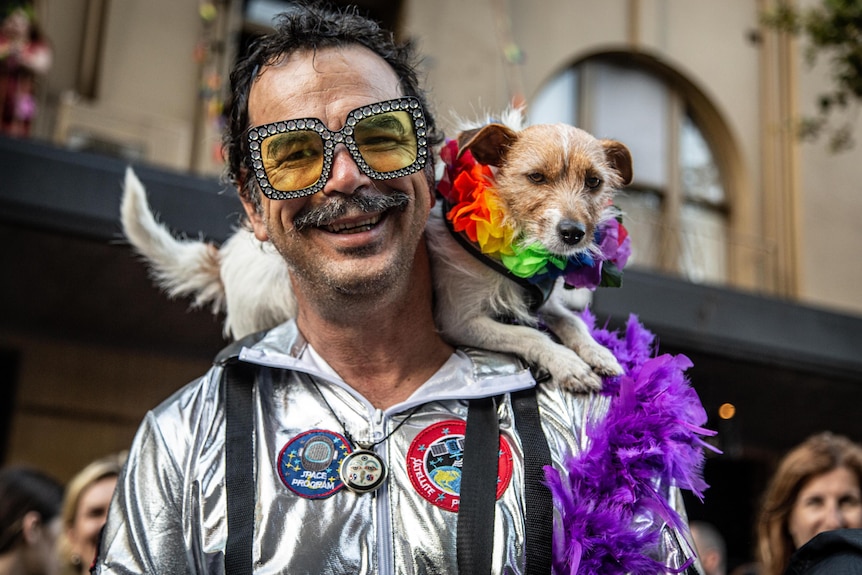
(541, 178)
(246, 279)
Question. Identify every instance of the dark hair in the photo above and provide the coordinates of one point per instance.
(309, 26)
(23, 490)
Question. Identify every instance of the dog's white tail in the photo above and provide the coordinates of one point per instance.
(180, 267)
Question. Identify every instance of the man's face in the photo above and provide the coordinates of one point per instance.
(356, 253)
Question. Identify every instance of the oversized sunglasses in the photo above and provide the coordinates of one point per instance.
(293, 158)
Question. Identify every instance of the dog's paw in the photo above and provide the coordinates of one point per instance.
(600, 359)
(573, 373)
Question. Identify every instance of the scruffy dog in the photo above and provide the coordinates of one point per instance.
(552, 192)
(551, 188)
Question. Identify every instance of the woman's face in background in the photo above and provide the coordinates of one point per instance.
(828, 501)
(90, 516)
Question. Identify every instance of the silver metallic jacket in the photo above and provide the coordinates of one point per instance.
(168, 515)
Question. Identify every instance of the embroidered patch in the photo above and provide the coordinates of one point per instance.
(434, 463)
(308, 464)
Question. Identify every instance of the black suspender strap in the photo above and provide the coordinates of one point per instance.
(238, 381)
(475, 535)
(478, 494)
(539, 502)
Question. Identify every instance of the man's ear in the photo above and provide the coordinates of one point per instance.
(255, 218)
(710, 560)
(32, 527)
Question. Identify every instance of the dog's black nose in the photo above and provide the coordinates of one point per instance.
(572, 232)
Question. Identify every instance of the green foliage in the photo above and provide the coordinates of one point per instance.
(832, 30)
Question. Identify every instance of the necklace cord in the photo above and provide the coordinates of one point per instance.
(344, 427)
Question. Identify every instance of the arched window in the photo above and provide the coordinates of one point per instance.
(676, 208)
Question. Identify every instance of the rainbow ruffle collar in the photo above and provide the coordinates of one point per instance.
(476, 213)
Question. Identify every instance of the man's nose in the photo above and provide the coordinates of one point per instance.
(345, 177)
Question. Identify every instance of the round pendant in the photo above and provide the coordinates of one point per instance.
(362, 471)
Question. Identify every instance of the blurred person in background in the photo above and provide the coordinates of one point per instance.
(711, 548)
(815, 489)
(29, 522)
(25, 54)
(85, 508)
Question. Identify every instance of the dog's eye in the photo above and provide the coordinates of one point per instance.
(593, 183)
(537, 177)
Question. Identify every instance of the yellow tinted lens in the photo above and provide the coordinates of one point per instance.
(386, 142)
(292, 160)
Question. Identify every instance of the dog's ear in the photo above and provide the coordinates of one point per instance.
(620, 159)
(488, 144)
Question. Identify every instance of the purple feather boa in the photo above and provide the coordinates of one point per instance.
(607, 497)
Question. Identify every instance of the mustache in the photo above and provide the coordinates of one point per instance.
(340, 205)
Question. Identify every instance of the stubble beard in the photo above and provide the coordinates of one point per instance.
(337, 290)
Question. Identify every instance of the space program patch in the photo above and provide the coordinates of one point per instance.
(435, 459)
(308, 464)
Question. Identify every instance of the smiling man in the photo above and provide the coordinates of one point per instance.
(352, 439)
(353, 243)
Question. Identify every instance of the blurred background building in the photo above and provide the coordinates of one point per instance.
(745, 237)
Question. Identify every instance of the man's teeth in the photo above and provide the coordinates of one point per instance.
(355, 227)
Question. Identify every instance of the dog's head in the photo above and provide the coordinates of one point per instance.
(556, 181)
